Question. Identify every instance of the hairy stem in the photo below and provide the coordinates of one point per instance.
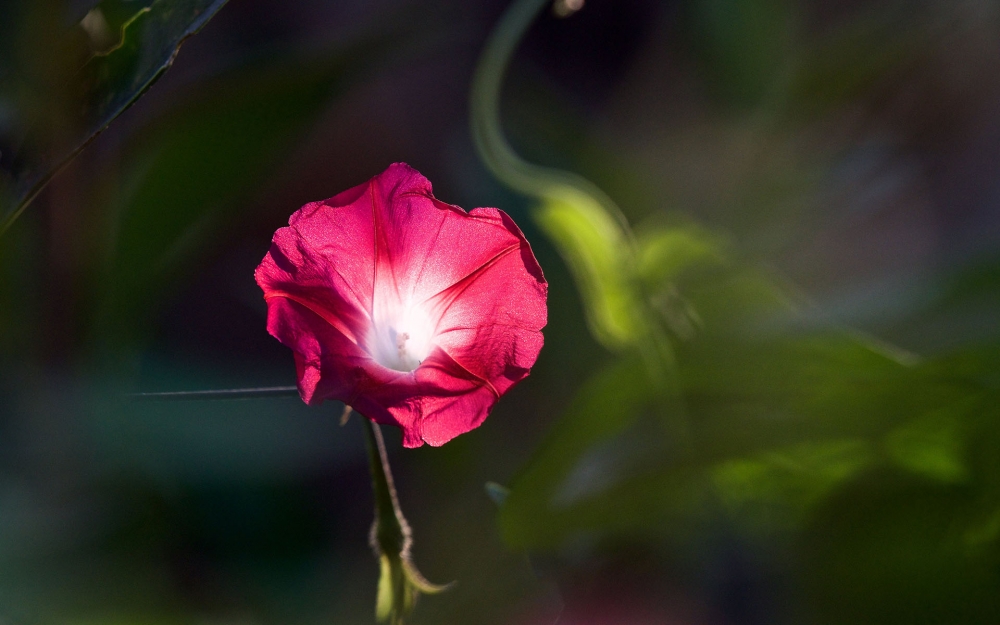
(400, 583)
(390, 533)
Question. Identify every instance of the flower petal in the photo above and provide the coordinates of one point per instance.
(425, 245)
(324, 260)
(491, 320)
(434, 403)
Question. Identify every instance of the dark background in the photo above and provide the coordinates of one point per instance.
(847, 151)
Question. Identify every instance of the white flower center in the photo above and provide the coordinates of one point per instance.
(402, 338)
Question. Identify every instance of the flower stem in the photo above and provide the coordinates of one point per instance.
(390, 532)
(400, 583)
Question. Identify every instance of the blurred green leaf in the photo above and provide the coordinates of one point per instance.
(983, 531)
(599, 254)
(762, 394)
(665, 252)
(781, 487)
(129, 45)
(885, 550)
(780, 414)
(931, 445)
(606, 406)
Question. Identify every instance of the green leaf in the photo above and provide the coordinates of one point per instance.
(384, 601)
(747, 395)
(931, 445)
(666, 252)
(599, 254)
(779, 488)
(121, 49)
(779, 413)
(889, 549)
(607, 405)
(666, 255)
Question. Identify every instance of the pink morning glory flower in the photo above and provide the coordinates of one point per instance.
(412, 311)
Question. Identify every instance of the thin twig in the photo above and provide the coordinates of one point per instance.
(232, 393)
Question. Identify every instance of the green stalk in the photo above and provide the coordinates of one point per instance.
(544, 183)
(400, 583)
(589, 229)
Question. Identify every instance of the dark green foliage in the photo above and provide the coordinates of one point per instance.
(881, 465)
(101, 66)
(202, 166)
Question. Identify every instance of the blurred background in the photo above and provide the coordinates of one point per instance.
(814, 194)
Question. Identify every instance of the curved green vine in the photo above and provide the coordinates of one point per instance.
(589, 229)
